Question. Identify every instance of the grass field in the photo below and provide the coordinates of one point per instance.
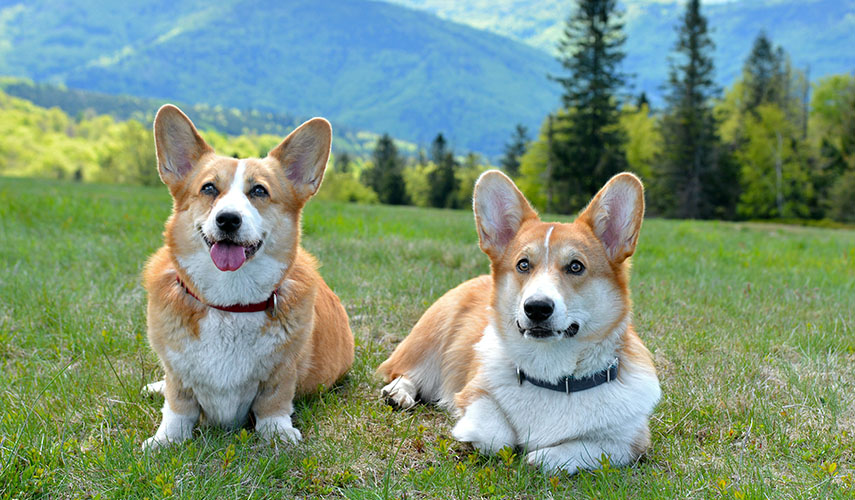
(752, 328)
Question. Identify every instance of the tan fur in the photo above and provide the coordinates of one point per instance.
(318, 348)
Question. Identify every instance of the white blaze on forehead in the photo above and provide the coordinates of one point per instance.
(546, 244)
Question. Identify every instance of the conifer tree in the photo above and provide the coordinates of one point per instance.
(591, 52)
(514, 150)
(442, 181)
(385, 176)
(696, 178)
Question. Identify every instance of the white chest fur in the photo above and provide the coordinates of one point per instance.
(225, 364)
(540, 418)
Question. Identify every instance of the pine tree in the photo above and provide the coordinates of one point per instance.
(696, 178)
(764, 75)
(442, 181)
(591, 52)
(514, 150)
(385, 176)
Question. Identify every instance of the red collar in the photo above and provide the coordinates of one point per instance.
(268, 305)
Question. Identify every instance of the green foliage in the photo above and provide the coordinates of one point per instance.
(775, 182)
(591, 52)
(644, 140)
(344, 186)
(416, 180)
(841, 197)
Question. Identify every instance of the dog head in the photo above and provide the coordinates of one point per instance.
(558, 282)
(236, 223)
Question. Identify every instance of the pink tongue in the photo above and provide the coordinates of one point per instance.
(228, 257)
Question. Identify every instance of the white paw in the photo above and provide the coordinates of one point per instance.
(552, 460)
(174, 428)
(155, 387)
(280, 428)
(400, 393)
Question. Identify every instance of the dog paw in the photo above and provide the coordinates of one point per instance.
(154, 388)
(159, 441)
(552, 460)
(400, 393)
(278, 428)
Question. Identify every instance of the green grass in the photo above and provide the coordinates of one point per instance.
(751, 327)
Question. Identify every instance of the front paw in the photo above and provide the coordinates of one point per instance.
(158, 442)
(278, 428)
(400, 393)
(174, 428)
(552, 460)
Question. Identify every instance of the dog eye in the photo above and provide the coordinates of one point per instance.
(575, 267)
(523, 266)
(258, 191)
(209, 189)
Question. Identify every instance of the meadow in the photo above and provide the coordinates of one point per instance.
(752, 327)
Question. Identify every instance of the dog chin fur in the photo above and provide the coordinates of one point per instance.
(464, 352)
(223, 365)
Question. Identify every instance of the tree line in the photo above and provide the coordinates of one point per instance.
(769, 147)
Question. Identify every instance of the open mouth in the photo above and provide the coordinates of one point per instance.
(229, 255)
(539, 332)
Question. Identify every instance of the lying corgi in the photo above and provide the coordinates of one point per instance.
(542, 354)
(237, 312)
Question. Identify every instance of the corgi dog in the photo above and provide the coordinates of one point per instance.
(541, 355)
(237, 312)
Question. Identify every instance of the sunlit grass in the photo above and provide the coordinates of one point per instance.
(751, 327)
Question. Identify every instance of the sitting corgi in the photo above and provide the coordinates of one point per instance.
(541, 354)
(237, 312)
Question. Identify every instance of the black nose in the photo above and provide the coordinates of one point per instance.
(538, 308)
(228, 222)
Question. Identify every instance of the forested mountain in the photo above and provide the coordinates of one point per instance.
(816, 33)
(370, 65)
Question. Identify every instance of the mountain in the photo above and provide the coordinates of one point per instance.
(369, 65)
(819, 34)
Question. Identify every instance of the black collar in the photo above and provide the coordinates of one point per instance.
(572, 384)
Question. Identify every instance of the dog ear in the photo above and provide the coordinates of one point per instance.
(178, 145)
(500, 210)
(304, 155)
(615, 215)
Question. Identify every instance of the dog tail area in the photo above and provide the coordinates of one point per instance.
(155, 388)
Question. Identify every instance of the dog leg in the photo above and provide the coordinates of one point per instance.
(575, 455)
(485, 425)
(400, 393)
(180, 412)
(274, 404)
(174, 428)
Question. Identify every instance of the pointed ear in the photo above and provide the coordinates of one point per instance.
(304, 154)
(500, 210)
(615, 215)
(178, 145)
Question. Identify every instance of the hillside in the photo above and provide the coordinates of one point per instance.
(229, 121)
(369, 65)
(816, 33)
